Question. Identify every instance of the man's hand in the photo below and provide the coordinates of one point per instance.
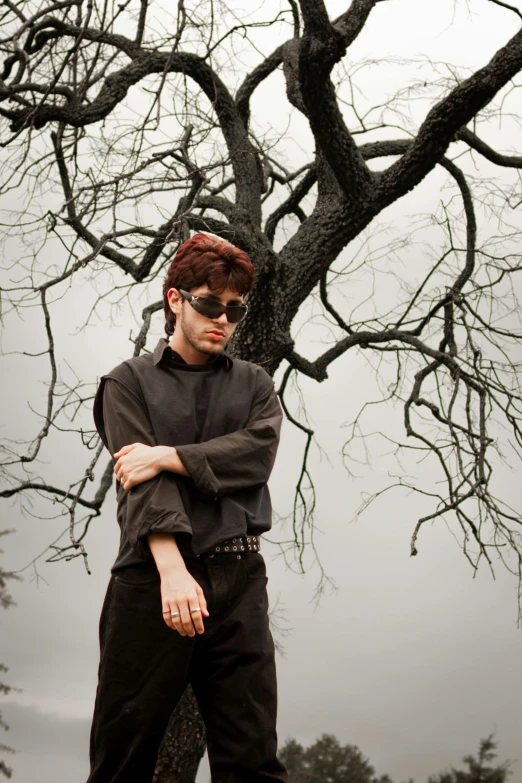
(138, 463)
(180, 593)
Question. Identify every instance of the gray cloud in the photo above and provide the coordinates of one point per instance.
(49, 748)
(411, 659)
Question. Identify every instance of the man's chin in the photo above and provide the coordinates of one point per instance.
(210, 347)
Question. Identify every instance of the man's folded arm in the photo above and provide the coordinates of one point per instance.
(241, 459)
(154, 506)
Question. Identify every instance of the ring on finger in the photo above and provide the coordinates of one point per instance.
(196, 609)
(175, 614)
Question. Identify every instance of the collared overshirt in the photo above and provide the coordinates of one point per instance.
(224, 419)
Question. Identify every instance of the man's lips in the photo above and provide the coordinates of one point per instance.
(216, 335)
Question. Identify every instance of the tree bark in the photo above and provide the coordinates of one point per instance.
(183, 745)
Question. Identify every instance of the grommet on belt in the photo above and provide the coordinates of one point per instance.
(230, 547)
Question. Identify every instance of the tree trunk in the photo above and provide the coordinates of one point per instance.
(183, 745)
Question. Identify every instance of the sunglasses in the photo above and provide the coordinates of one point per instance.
(212, 309)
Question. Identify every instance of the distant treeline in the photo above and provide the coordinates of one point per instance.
(327, 761)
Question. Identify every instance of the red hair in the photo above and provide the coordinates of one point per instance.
(207, 260)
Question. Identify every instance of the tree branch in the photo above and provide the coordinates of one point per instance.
(352, 22)
(254, 79)
(510, 161)
(445, 119)
(291, 204)
(123, 261)
(509, 7)
(316, 20)
(297, 20)
(349, 24)
(318, 368)
(9, 493)
(141, 22)
(244, 157)
(307, 66)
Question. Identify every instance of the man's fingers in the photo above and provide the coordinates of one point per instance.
(118, 469)
(178, 626)
(126, 481)
(124, 450)
(186, 618)
(197, 618)
(173, 622)
(201, 602)
(198, 609)
(167, 616)
(198, 622)
(190, 609)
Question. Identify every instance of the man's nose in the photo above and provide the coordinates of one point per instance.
(222, 319)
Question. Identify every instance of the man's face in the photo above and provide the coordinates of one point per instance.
(207, 336)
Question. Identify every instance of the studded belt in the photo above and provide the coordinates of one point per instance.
(236, 545)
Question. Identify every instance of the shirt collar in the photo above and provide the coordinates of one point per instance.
(163, 348)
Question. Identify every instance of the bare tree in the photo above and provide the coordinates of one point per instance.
(127, 125)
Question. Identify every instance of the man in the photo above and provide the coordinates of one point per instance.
(194, 434)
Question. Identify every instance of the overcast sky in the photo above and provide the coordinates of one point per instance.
(411, 659)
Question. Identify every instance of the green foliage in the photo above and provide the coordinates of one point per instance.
(327, 761)
(480, 769)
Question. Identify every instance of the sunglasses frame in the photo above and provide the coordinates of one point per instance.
(191, 298)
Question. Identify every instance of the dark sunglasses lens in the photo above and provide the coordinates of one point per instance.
(236, 314)
(208, 308)
(211, 309)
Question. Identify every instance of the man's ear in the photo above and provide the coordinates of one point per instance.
(175, 300)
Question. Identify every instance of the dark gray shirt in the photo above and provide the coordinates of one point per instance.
(224, 419)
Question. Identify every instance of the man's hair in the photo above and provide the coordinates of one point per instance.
(207, 260)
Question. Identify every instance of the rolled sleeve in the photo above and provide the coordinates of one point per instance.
(155, 520)
(198, 467)
(154, 506)
(241, 459)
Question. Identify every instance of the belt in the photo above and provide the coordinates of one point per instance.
(235, 545)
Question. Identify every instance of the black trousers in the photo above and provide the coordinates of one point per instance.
(145, 667)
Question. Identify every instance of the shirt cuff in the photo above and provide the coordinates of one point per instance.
(197, 466)
(170, 522)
